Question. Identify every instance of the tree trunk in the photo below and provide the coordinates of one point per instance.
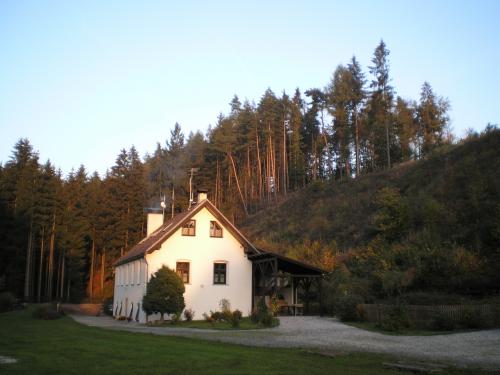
(63, 269)
(238, 183)
(50, 275)
(173, 200)
(27, 275)
(356, 131)
(259, 164)
(103, 268)
(92, 260)
(40, 268)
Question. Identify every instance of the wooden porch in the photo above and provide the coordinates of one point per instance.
(280, 278)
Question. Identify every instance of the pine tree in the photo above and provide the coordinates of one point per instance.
(433, 118)
(357, 96)
(407, 128)
(380, 105)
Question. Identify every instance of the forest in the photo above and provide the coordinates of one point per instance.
(59, 235)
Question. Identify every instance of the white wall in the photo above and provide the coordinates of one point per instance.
(130, 286)
(201, 251)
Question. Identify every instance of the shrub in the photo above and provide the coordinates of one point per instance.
(46, 312)
(264, 315)
(347, 307)
(267, 319)
(225, 310)
(237, 314)
(175, 318)
(7, 301)
(396, 319)
(164, 294)
(216, 316)
(107, 306)
(224, 305)
(254, 316)
(442, 322)
(236, 318)
(208, 318)
(188, 315)
(473, 319)
(430, 298)
(275, 307)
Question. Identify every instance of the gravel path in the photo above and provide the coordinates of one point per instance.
(480, 348)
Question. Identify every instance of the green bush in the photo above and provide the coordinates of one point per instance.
(188, 315)
(396, 320)
(236, 318)
(46, 312)
(442, 322)
(175, 318)
(267, 319)
(7, 301)
(208, 318)
(164, 293)
(346, 308)
(262, 315)
(430, 298)
(254, 316)
(473, 319)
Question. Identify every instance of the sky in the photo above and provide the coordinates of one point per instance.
(82, 80)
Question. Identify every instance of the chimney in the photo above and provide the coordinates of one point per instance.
(155, 220)
(202, 195)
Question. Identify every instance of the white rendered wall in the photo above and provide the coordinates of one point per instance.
(129, 290)
(201, 251)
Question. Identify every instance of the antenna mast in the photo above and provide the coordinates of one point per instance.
(192, 171)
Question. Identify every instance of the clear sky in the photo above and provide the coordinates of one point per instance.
(84, 79)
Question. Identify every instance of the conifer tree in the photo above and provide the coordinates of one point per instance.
(380, 105)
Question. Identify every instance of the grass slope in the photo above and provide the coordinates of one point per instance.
(63, 346)
(455, 192)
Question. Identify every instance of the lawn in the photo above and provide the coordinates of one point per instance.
(245, 324)
(64, 346)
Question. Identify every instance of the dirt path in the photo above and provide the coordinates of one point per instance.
(480, 348)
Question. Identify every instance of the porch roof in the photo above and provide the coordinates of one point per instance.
(287, 265)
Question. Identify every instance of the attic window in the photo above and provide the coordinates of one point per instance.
(189, 229)
(215, 229)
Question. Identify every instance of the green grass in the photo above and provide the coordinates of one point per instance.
(373, 327)
(245, 324)
(66, 347)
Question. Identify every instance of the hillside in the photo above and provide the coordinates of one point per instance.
(449, 202)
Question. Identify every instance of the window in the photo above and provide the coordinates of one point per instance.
(182, 270)
(215, 229)
(219, 273)
(189, 229)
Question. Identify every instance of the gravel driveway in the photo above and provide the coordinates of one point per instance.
(480, 348)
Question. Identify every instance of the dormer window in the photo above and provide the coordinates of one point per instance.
(189, 229)
(215, 229)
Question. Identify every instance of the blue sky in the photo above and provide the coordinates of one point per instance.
(84, 79)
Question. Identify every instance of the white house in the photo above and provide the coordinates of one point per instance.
(212, 257)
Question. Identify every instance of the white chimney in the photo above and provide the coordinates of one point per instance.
(154, 222)
(202, 195)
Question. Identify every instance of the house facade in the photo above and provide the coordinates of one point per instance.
(208, 252)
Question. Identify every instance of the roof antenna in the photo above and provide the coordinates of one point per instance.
(163, 205)
(191, 198)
